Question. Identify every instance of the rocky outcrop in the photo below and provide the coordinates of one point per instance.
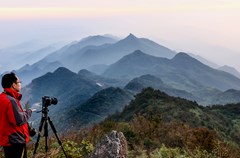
(113, 145)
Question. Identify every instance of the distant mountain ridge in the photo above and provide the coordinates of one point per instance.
(205, 96)
(134, 65)
(29, 72)
(113, 52)
(70, 55)
(25, 53)
(182, 71)
(230, 70)
(204, 61)
(52, 60)
(98, 50)
(227, 97)
(138, 84)
(93, 51)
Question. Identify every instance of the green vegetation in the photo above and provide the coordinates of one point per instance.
(179, 123)
(157, 125)
(74, 145)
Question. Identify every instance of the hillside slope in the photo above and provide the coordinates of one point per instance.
(156, 104)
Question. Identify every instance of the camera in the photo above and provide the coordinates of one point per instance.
(47, 101)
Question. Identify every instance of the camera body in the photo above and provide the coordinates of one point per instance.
(47, 101)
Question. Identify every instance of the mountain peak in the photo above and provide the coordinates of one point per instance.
(95, 37)
(185, 61)
(184, 57)
(84, 72)
(62, 70)
(137, 52)
(130, 39)
(131, 36)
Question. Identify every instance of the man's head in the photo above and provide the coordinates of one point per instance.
(10, 80)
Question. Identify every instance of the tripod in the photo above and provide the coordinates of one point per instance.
(44, 121)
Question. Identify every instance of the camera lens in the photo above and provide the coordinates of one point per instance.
(54, 101)
(47, 101)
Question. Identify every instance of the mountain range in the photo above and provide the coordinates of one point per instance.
(74, 55)
(90, 98)
(182, 71)
(112, 53)
(58, 58)
(94, 53)
(120, 70)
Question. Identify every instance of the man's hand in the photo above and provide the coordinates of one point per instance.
(33, 109)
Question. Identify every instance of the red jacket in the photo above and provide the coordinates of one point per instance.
(13, 119)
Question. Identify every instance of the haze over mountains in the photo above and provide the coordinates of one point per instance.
(99, 75)
(105, 51)
(94, 53)
(14, 57)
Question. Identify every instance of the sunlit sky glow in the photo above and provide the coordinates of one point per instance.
(71, 12)
(207, 28)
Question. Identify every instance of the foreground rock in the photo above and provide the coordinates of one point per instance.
(113, 145)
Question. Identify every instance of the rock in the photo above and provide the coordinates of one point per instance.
(113, 145)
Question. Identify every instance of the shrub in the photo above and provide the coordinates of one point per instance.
(75, 150)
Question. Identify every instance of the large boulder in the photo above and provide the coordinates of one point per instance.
(113, 145)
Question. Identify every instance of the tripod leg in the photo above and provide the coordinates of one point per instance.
(55, 133)
(46, 135)
(39, 135)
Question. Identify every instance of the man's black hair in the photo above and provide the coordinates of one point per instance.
(8, 79)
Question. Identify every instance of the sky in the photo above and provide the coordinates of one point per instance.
(209, 28)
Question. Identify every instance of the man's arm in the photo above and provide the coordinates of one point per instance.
(16, 115)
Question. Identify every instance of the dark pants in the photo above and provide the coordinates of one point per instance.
(15, 151)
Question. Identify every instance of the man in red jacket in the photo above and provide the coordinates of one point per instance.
(14, 133)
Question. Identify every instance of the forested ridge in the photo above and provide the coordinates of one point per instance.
(158, 125)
